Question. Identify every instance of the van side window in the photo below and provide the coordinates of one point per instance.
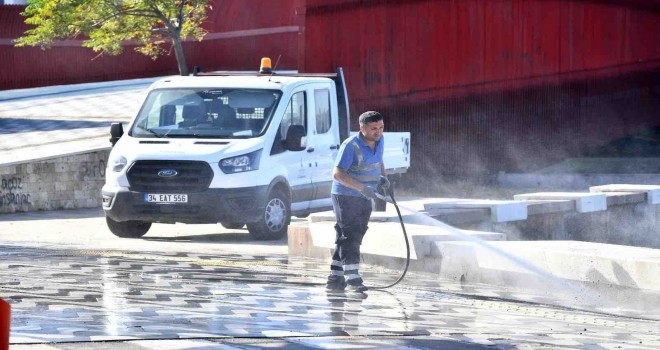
(295, 114)
(322, 103)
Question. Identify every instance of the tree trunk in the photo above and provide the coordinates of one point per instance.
(180, 56)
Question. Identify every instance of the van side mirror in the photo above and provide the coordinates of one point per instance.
(295, 138)
(116, 131)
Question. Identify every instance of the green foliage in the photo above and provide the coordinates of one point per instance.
(105, 24)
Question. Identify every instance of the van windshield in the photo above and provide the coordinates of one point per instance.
(206, 113)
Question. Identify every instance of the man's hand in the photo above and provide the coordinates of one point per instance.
(368, 192)
(385, 183)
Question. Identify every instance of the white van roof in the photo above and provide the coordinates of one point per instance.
(254, 81)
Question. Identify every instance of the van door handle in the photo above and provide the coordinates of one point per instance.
(334, 146)
(310, 150)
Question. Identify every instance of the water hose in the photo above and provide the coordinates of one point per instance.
(405, 236)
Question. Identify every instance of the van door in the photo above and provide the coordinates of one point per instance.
(296, 162)
(325, 142)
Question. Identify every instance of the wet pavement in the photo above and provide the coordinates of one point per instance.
(94, 296)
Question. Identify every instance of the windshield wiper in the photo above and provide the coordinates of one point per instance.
(159, 135)
(151, 131)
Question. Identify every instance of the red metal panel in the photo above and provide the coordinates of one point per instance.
(11, 23)
(241, 32)
(447, 44)
(486, 84)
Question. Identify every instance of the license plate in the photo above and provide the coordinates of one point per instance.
(165, 198)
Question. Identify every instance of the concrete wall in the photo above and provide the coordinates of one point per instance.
(628, 220)
(633, 224)
(66, 182)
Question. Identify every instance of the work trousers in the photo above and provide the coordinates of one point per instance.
(352, 215)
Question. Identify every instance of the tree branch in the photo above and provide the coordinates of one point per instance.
(180, 17)
(140, 13)
(166, 21)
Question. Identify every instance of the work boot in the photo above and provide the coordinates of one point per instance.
(336, 284)
(357, 288)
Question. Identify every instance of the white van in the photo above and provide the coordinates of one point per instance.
(238, 149)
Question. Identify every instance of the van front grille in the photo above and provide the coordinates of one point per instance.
(166, 176)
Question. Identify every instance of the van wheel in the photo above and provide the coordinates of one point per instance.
(274, 220)
(232, 225)
(128, 229)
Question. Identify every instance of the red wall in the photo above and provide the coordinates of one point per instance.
(493, 85)
(483, 85)
(453, 47)
(241, 32)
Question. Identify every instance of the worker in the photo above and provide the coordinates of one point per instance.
(358, 171)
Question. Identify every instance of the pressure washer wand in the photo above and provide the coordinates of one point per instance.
(405, 235)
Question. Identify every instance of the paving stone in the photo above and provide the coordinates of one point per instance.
(75, 296)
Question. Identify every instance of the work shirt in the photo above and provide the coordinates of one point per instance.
(360, 162)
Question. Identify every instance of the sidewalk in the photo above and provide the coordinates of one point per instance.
(40, 123)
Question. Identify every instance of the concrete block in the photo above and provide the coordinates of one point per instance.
(500, 211)
(458, 217)
(504, 263)
(33, 178)
(7, 170)
(652, 191)
(386, 238)
(584, 202)
(61, 186)
(549, 207)
(21, 169)
(625, 198)
(80, 195)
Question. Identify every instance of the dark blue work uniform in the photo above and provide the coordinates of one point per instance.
(351, 208)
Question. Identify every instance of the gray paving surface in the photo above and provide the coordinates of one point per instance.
(70, 295)
(68, 119)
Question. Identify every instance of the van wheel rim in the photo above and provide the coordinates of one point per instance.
(275, 214)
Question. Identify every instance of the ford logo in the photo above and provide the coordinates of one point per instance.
(168, 173)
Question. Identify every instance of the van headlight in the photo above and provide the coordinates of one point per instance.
(117, 163)
(239, 164)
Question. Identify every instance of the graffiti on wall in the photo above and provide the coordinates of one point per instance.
(11, 192)
(93, 169)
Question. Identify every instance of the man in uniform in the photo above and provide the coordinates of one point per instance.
(358, 171)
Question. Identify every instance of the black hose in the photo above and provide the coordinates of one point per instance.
(405, 236)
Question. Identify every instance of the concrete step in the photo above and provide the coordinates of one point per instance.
(384, 243)
(652, 192)
(500, 210)
(584, 202)
(585, 275)
(385, 235)
(485, 257)
(514, 262)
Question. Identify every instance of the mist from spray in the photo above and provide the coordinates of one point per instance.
(552, 289)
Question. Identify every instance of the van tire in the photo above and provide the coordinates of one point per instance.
(232, 225)
(275, 219)
(128, 229)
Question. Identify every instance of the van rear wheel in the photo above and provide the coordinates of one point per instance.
(275, 218)
(128, 229)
